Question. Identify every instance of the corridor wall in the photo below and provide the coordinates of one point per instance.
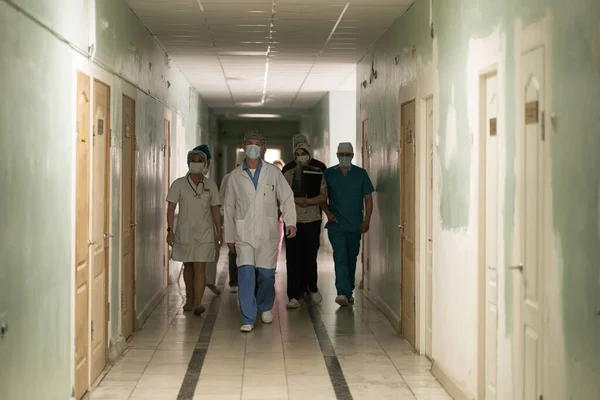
(42, 46)
(440, 48)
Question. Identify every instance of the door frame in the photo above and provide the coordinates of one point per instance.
(129, 94)
(365, 253)
(424, 296)
(416, 221)
(80, 392)
(528, 38)
(107, 219)
(167, 175)
(484, 74)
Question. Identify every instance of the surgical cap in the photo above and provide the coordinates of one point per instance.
(204, 148)
(297, 139)
(255, 135)
(345, 147)
(195, 151)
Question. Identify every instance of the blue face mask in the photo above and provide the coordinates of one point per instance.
(252, 151)
(345, 161)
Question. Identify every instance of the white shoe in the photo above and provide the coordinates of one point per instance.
(267, 317)
(247, 328)
(216, 291)
(316, 298)
(293, 304)
(234, 289)
(342, 300)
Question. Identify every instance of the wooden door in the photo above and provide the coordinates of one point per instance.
(491, 236)
(366, 164)
(82, 235)
(530, 226)
(128, 219)
(407, 188)
(166, 184)
(100, 234)
(429, 231)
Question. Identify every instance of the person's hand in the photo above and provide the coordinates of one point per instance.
(290, 232)
(231, 247)
(301, 201)
(364, 227)
(331, 218)
(170, 238)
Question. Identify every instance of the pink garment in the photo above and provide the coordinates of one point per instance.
(280, 237)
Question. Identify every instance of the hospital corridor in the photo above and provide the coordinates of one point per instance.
(300, 199)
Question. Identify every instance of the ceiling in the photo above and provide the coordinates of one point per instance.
(268, 53)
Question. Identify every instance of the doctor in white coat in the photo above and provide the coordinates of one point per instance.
(252, 227)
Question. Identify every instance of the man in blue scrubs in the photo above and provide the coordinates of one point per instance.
(349, 214)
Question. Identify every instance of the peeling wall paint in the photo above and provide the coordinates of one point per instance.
(402, 57)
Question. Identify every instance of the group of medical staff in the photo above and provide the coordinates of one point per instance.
(259, 207)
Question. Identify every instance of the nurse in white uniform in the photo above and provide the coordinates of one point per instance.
(193, 240)
(252, 228)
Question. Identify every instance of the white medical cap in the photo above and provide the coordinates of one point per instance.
(345, 147)
(255, 135)
(240, 157)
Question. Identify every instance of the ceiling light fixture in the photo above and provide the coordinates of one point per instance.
(269, 47)
(259, 115)
(200, 5)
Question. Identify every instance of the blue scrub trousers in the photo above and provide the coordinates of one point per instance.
(346, 246)
(264, 299)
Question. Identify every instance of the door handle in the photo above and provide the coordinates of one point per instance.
(517, 267)
(491, 268)
(106, 236)
(401, 226)
(91, 242)
(132, 225)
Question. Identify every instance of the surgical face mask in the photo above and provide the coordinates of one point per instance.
(345, 161)
(302, 159)
(252, 151)
(197, 168)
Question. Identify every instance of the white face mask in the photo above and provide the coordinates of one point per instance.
(303, 159)
(197, 168)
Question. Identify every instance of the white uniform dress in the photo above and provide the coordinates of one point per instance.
(195, 232)
(251, 214)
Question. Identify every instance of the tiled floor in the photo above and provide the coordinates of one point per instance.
(279, 361)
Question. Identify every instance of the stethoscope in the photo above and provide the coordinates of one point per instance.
(196, 193)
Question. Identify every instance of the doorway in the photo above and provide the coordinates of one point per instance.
(429, 229)
(82, 234)
(366, 164)
(408, 219)
(128, 218)
(100, 224)
(166, 184)
(530, 207)
(488, 235)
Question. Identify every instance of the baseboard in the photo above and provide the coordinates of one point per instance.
(116, 349)
(391, 316)
(451, 387)
(145, 314)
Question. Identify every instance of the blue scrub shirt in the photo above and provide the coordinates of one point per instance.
(346, 197)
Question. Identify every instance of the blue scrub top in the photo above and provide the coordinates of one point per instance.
(346, 196)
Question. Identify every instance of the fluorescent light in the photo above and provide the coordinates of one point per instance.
(253, 25)
(249, 104)
(242, 53)
(200, 5)
(259, 115)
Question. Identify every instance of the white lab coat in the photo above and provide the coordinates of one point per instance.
(195, 231)
(251, 215)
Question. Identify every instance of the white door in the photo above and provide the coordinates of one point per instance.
(491, 237)
(527, 265)
(429, 233)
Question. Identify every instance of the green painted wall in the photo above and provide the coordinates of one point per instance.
(575, 87)
(37, 121)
